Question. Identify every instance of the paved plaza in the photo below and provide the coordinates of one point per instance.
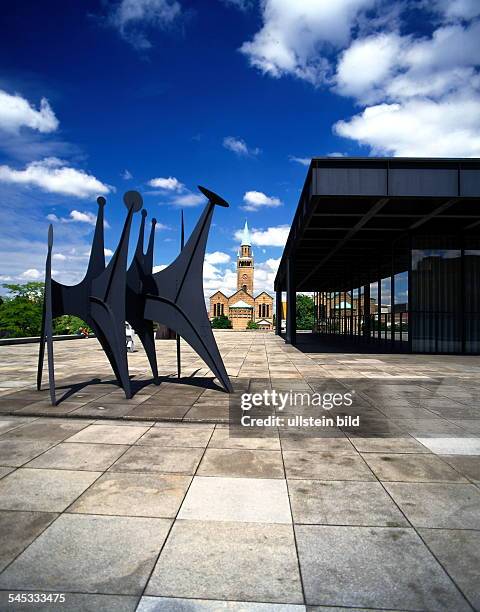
(156, 504)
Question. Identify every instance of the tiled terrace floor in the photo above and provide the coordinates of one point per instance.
(152, 505)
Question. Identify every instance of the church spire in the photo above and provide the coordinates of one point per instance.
(246, 240)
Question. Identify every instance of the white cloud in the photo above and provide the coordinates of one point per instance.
(458, 9)
(83, 217)
(304, 161)
(368, 64)
(403, 67)
(127, 175)
(17, 112)
(76, 216)
(74, 256)
(410, 85)
(159, 268)
(167, 184)
(335, 154)
(239, 146)
(271, 236)
(448, 128)
(218, 257)
(265, 273)
(55, 176)
(134, 18)
(295, 33)
(161, 227)
(31, 274)
(423, 93)
(188, 199)
(5, 279)
(255, 200)
(215, 279)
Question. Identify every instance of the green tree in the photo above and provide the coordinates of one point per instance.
(221, 322)
(32, 291)
(21, 310)
(252, 325)
(21, 313)
(68, 324)
(304, 311)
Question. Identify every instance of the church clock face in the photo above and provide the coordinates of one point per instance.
(244, 277)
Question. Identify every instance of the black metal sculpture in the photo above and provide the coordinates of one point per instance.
(110, 295)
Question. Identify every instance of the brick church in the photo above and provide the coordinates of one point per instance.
(242, 307)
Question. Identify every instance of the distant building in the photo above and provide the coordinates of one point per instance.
(242, 306)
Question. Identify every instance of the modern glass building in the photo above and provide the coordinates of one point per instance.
(390, 248)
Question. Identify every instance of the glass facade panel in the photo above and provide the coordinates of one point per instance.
(436, 297)
(471, 267)
(431, 305)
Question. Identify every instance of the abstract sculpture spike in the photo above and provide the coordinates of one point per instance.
(182, 244)
(110, 295)
(138, 280)
(178, 299)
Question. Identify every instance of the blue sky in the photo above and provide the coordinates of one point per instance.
(237, 95)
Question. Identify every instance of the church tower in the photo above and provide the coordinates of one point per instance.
(245, 263)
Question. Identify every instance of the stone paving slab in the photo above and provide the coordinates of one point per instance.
(52, 431)
(391, 569)
(5, 470)
(8, 425)
(231, 438)
(326, 466)
(467, 465)
(455, 506)
(43, 490)
(459, 553)
(242, 463)
(124, 494)
(387, 444)
(176, 436)
(74, 602)
(111, 555)
(76, 456)
(18, 452)
(173, 604)
(228, 560)
(247, 500)
(108, 434)
(159, 459)
(343, 503)
(452, 445)
(18, 530)
(411, 468)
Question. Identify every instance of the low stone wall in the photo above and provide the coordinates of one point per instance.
(33, 339)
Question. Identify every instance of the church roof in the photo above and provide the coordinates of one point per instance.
(240, 304)
(263, 322)
(246, 240)
(217, 292)
(264, 293)
(240, 291)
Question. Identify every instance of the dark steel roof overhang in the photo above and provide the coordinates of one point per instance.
(352, 210)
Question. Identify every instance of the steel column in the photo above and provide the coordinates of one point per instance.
(291, 332)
